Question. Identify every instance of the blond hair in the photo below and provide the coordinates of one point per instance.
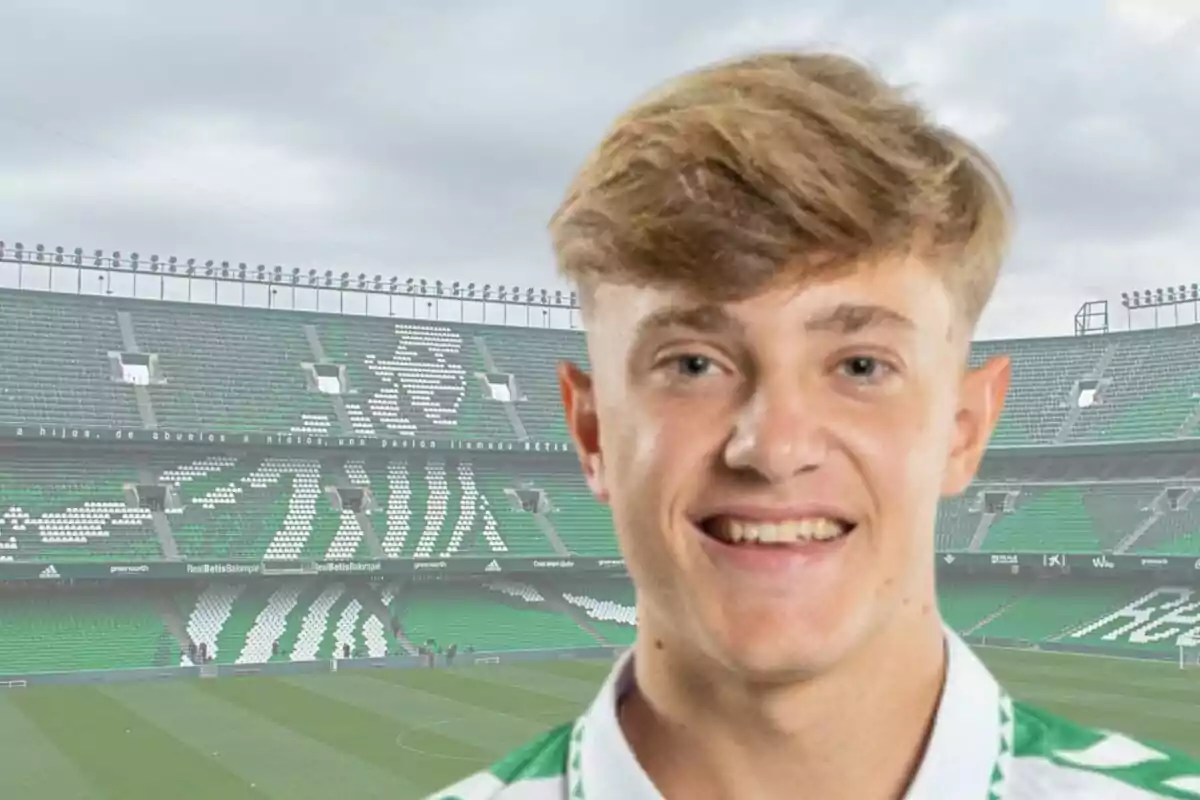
(770, 168)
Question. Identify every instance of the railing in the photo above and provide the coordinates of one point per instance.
(117, 274)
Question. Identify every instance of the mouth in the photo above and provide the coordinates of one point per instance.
(777, 533)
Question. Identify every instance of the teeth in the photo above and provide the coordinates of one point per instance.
(801, 530)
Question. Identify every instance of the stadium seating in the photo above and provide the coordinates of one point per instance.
(1153, 388)
(583, 525)
(965, 608)
(1117, 510)
(258, 508)
(413, 379)
(1075, 613)
(1174, 533)
(309, 620)
(60, 505)
(503, 617)
(532, 355)
(54, 507)
(52, 632)
(51, 629)
(1046, 520)
(227, 369)
(1046, 613)
(1121, 628)
(1044, 372)
(956, 523)
(522, 531)
(610, 607)
(55, 365)
(241, 369)
(432, 507)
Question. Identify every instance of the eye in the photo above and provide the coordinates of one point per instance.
(864, 368)
(693, 366)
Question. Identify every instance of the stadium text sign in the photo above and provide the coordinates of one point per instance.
(1066, 562)
(1168, 614)
(167, 570)
(142, 436)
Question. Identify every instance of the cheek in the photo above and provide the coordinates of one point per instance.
(653, 462)
(653, 441)
(902, 458)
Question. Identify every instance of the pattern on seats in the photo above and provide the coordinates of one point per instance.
(58, 507)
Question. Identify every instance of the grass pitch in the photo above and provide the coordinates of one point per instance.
(399, 734)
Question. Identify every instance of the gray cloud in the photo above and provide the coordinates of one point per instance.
(437, 141)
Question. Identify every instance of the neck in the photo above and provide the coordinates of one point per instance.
(703, 732)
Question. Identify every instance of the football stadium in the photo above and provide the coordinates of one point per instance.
(254, 551)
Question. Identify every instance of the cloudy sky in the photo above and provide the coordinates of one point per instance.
(434, 139)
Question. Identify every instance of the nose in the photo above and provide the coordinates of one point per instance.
(777, 434)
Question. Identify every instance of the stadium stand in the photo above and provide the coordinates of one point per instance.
(1044, 373)
(1150, 388)
(500, 617)
(532, 356)
(61, 632)
(241, 623)
(242, 369)
(1175, 532)
(226, 371)
(105, 364)
(56, 366)
(610, 608)
(57, 508)
(413, 379)
(1042, 614)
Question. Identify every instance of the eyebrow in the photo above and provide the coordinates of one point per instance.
(852, 318)
(702, 319)
(846, 318)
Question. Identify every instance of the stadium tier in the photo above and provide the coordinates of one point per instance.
(279, 620)
(121, 363)
(60, 505)
(211, 454)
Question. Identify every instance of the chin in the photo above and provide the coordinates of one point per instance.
(767, 645)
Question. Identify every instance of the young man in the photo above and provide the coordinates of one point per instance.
(782, 261)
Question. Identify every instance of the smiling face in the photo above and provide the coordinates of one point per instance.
(774, 464)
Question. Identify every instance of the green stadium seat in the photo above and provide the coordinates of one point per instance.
(226, 368)
(1046, 520)
(1044, 372)
(1047, 612)
(47, 632)
(1153, 387)
(490, 619)
(1174, 533)
(956, 523)
(413, 379)
(610, 606)
(966, 606)
(310, 620)
(55, 506)
(261, 507)
(55, 364)
(532, 356)
(1119, 627)
(583, 524)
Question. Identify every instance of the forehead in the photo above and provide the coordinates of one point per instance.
(902, 296)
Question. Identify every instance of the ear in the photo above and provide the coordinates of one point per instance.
(583, 423)
(981, 399)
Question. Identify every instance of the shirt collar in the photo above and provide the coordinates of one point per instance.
(960, 759)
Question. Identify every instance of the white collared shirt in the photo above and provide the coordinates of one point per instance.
(983, 746)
